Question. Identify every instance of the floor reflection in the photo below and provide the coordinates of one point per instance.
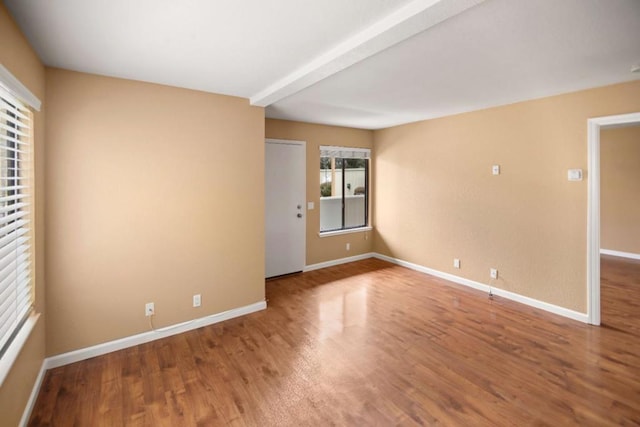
(342, 310)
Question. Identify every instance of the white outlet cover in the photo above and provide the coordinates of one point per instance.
(495, 169)
(149, 309)
(456, 263)
(494, 273)
(310, 206)
(197, 300)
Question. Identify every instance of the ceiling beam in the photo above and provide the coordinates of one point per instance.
(415, 17)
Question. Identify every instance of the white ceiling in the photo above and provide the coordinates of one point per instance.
(360, 63)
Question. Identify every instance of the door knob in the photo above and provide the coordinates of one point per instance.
(299, 215)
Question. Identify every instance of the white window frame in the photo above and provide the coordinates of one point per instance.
(16, 94)
(349, 153)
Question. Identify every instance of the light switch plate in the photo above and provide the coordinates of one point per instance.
(574, 175)
(310, 206)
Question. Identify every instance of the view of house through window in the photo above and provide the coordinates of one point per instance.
(344, 188)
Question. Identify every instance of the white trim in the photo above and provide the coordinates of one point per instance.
(565, 312)
(345, 152)
(17, 89)
(26, 414)
(620, 254)
(337, 262)
(345, 231)
(12, 353)
(593, 223)
(422, 269)
(100, 349)
(122, 343)
(345, 148)
(285, 141)
(593, 209)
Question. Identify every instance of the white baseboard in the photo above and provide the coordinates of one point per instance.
(122, 343)
(337, 262)
(119, 344)
(26, 414)
(581, 317)
(629, 255)
(100, 349)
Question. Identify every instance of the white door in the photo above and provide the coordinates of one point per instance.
(285, 184)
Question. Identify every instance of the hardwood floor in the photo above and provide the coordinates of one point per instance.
(370, 343)
(620, 294)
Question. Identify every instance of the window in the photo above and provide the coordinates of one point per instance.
(344, 188)
(16, 299)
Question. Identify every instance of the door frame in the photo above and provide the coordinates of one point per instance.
(594, 126)
(304, 202)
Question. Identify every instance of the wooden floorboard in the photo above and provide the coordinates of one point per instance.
(371, 343)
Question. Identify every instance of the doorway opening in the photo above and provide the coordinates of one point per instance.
(594, 126)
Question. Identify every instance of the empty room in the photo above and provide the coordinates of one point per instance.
(310, 213)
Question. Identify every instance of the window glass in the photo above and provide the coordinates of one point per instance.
(343, 193)
(355, 206)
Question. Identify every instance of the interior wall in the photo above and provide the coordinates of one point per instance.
(436, 198)
(19, 58)
(322, 249)
(155, 194)
(620, 189)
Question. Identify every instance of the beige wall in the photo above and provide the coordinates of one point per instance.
(620, 189)
(321, 249)
(17, 56)
(141, 207)
(138, 208)
(436, 198)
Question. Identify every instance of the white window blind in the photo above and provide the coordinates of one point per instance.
(345, 152)
(16, 297)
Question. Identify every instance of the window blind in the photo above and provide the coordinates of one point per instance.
(16, 297)
(345, 152)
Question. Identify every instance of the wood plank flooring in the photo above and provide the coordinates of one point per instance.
(370, 343)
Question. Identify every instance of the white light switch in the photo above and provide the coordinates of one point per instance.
(495, 169)
(310, 206)
(575, 174)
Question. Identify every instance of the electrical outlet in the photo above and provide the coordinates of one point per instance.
(494, 273)
(495, 169)
(197, 300)
(348, 246)
(456, 263)
(149, 309)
